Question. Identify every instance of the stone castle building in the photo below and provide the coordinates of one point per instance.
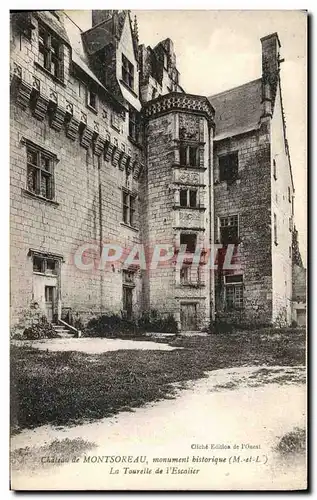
(108, 148)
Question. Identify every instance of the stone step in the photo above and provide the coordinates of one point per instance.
(62, 331)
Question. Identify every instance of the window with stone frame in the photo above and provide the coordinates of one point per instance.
(188, 155)
(228, 167)
(127, 72)
(188, 198)
(40, 172)
(189, 240)
(45, 265)
(234, 292)
(190, 275)
(51, 53)
(229, 229)
(128, 207)
(92, 100)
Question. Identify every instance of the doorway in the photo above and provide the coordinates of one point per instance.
(127, 301)
(50, 297)
(189, 316)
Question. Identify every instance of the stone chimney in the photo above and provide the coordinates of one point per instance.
(270, 70)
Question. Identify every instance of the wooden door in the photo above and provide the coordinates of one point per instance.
(127, 301)
(189, 317)
(50, 302)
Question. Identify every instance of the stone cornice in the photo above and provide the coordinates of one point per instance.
(64, 117)
(175, 101)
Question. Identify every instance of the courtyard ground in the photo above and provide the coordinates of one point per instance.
(250, 390)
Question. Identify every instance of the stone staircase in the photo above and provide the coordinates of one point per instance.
(64, 330)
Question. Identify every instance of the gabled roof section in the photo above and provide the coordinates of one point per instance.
(81, 60)
(104, 33)
(237, 110)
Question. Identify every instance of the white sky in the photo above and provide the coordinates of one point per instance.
(218, 50)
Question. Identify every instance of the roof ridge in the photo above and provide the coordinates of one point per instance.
(235, 88)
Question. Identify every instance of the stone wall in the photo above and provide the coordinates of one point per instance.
(87, 207)
(248, 197)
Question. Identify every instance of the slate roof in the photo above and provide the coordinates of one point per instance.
(237, 110)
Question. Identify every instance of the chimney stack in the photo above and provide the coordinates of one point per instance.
(270, 66)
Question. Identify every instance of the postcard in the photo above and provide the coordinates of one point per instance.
(158, 241)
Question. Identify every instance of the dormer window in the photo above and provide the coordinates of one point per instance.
(51, 53)
(127, 72)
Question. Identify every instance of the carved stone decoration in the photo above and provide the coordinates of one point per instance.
(99, 145)
(177, 101)
(86, 137)
(123, 161)
(201, 157)
(72, 124)
(190, 177)
(40, 106)
(36, 84)
(136, 169)
(53, 97)
(189, 219)
(109, 148)
(17, 71)
(116, 155)
(23, 94)
(57, 118)
(69, 108)
(201, 130)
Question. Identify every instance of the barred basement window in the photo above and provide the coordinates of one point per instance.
(229, 229)
(128, 208)
(234, 292)
(51, 53)
(40, 172)
(228, 167)
(127, 72)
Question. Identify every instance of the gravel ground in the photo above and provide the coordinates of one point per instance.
(250, 406)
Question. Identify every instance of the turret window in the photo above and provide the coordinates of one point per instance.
(188, 155)
(188, 198)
